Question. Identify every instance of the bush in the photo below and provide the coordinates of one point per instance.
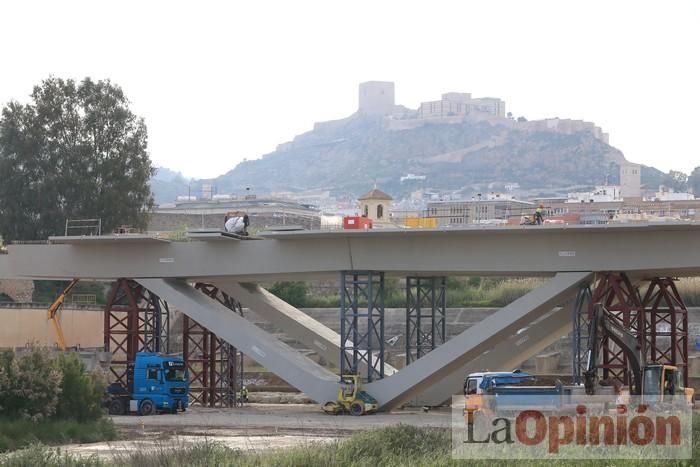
(81, 394)
(36, 387)
(19, 433)
(30, 386)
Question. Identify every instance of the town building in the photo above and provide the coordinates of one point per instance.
(489, 209)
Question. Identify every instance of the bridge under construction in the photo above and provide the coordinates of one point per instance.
(210, 277)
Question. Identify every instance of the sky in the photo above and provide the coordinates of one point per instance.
(218, 82)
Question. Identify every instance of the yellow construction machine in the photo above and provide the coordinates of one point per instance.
(351, 398)
(52, 313)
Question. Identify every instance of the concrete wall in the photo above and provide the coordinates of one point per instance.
(21, 326)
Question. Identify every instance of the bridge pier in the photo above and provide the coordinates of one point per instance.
(213, 364)
(135, 320)
(362, 323)
(658, 318)
(665, 318)
(425, 315)
(579, 335)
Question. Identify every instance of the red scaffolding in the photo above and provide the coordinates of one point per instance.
(135, 320)
(212, 363)
(659, 321)
(666, 325)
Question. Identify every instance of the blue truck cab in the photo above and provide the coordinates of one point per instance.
(155, 383)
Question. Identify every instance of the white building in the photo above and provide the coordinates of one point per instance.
(601, 194)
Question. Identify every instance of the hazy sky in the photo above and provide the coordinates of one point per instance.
(221, 81)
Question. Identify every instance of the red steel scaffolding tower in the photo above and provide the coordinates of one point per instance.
(658, 318)
(213, 364)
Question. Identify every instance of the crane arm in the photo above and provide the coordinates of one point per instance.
(52, 313)
(603, 325)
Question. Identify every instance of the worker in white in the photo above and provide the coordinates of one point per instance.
(237, 224)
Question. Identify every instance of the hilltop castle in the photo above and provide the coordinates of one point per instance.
(377, 99)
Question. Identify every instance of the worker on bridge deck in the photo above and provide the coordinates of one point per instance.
(237, 222)
(539, 218)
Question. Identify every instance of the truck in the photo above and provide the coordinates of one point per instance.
(514, 390)
(156, 383)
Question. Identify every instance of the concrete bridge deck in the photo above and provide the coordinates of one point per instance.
(570, 254)
(650, 250)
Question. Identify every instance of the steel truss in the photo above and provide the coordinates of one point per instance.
(665, 325)
(621, 298)
(425, 315)
(135, 320)
(581, 325)
(659, 320)
(213, 364)
(362, 323)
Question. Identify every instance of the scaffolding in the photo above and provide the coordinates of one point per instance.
(580, 333)
(665, 330)
(659, 320)
(215, 367)
(135, 320)
(362, 323)
(425, 315)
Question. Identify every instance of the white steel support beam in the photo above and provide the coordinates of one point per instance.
(452, 356)
(292, 321)
(505, 356)
(301, 372)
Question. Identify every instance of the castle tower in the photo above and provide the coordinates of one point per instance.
(376, 98)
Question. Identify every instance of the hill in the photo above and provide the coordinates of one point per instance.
(346, 155)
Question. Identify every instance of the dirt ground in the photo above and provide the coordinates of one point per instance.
(253, 427)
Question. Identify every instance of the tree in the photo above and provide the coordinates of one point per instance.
(676, 180)
(76, 151)
(293, 293)
(694, 181)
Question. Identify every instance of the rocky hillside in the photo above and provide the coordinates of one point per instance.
(349, 154)
(345, 156)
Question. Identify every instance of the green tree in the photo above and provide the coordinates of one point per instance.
(76, 151)
(81, 393)
(676, 180)
(30, 386)
(694, 181)
(293, 293)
